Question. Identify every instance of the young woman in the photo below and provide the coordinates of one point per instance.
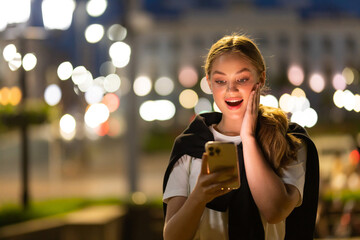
(278, 162)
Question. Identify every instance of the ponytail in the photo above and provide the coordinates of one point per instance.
(279, 147)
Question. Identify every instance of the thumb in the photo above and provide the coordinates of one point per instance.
(204, 164)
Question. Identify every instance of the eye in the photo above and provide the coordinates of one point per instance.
(242, 80)
(220, 81)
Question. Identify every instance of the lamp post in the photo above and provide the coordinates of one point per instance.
(16, 14)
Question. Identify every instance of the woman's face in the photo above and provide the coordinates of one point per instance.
(232, 78)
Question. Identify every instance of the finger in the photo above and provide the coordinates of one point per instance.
(204, 164)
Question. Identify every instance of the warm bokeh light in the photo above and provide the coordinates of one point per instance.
(203, 105)
(117, 32)
(338, 98)
(9, 52)
(339, 82)
(65, 70)
(269, 100)
(96, 8)
(307, 118)
(112, 83)
(52, 94)
(96, 114)
(317, 83)
(120, 54)
(188, 98)
(139, 198)
(15, 96)
(117, 126)
(57, 14)
(164, 86)
(94, 94)
(142, 86)
(349, 75)
(295, 75)
(67, 127)
(157, 110)
(188, 76)
(29, 61)
(285, 102)
(205, 86)
(357, 103)
(4, 96)
(298, 92)
(94, 33)
(112, 101)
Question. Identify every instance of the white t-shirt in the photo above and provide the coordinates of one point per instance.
(214, 224)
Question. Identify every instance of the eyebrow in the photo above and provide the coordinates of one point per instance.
(240, 71)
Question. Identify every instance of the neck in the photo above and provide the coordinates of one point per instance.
(229, 127)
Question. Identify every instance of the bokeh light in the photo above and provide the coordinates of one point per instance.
(57, 14)
(117, 32)
(96, 8)
(79, 75)
(96, 114)
(52, 94)
(4, 96)
(203, 105)
(112, 83)
(164, 86)
(339, 82)
(15, 63)
(139, 198)
(188, 76)
(142, 86)
(29, 61)
(357, 103)
(94, 94)
(188, 98)
(94, 33)
(15, 96)
(157, 110)
(298, 92)
(216, 108)
(9, 52)
(112, 101)
(13, 13)
(269, 100)
(67, 127)
(107, 68)
(295, 75)
(86, 82)
(120, 54)
(349, 75)
(65, 70)
(338, 98)
(349, 100)
(317, 83)
(205, 86)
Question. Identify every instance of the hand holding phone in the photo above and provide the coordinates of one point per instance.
(223, 155)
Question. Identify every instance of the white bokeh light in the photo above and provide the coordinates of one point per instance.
(142, 86)
(29, 61)
(203, 105)
(65, 70)
(120, 54)
(188, 98)
(58, 14)
(269, 100)
(96, 114)
(349, 100)
(52, 94)
(15, 11)
(15, 63)
(157, 110)
(164, 86)
(205, 86)
(67, 126)
(79, 75)
(96, 8)
(94, 94)
(9, 52)
(94, 33)
(338, 98)
(117, 32)
(112, 83)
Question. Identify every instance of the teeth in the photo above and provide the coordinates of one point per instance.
(233, 101)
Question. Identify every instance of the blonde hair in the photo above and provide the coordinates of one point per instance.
(279, 147)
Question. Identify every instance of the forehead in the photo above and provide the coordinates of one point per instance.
(232, 61)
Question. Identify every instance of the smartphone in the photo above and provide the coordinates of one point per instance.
(223, 155)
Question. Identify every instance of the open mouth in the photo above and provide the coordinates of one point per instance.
(233, 103)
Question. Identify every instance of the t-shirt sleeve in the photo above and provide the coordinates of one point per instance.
(294, 173)
(178, 182)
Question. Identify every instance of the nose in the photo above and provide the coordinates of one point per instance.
(231, 87)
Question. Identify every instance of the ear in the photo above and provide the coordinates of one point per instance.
(262, 79)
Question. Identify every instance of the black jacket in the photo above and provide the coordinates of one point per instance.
(244, 217)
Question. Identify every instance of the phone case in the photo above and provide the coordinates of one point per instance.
(222, 155)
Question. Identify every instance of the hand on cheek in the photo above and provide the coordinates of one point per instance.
(248, 127)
